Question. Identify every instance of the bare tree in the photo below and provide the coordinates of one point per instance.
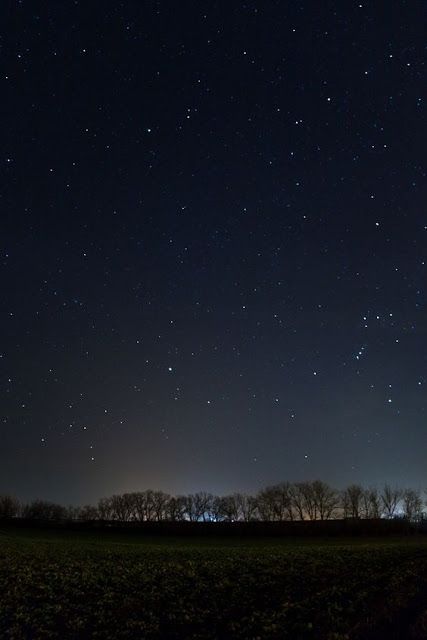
(72, 512)
(280, 496)
(225, 508)
(9, 507)
(176, 508)
(160, 505)
(412, 504)
(105, 509)
(297, 492)
(266, 504)
(150, 505)
(371, 503)
(198, 506)
(325, 499)
(246, 506)
(216, 509)
(44, 510)
(142, 505)
(314, 500)
(88, 512)
(306, 502)
(390, 498)
(121, 507)
(352, 501)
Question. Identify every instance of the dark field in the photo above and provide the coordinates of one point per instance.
(116, 585)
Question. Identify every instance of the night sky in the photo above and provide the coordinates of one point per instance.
(213, 245)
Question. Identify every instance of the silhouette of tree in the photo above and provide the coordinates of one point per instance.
(390, 498)
(44, 510)
(353, 501)
(9, 507)
(412, 504)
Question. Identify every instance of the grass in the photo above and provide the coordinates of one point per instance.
(120, 586)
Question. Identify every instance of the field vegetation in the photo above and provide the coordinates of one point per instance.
(118, 585)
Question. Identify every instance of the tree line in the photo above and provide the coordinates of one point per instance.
(315, 500)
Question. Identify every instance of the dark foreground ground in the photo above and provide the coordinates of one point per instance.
(116, 585)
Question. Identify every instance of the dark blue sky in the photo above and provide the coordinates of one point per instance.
(213, 245)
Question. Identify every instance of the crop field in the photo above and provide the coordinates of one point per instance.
(82, 585)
